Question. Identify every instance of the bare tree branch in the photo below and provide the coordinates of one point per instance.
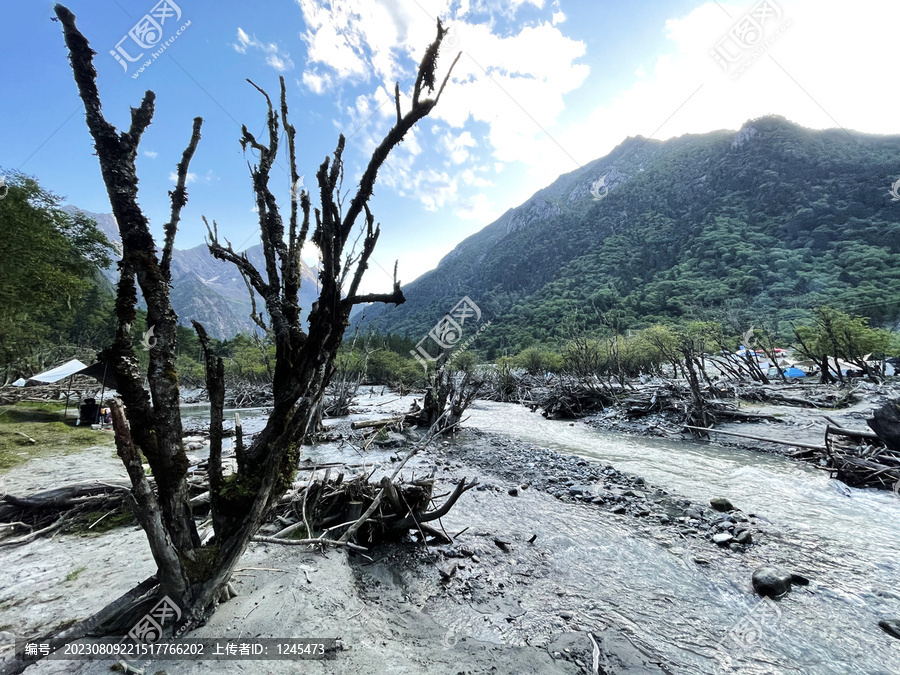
(240, 261)
(179, 199)
(419, 110)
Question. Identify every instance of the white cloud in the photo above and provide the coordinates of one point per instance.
(479, 209)
(457, 146)
(280, 61)
(380, 41)
(151, 154)
(801, 76)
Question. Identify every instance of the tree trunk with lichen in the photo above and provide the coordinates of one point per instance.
(191, 573)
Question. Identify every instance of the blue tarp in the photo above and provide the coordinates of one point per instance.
(793, 372)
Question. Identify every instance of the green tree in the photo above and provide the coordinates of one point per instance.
(49, 271)
(836, 335)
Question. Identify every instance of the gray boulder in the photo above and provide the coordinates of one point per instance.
(721, 504)
(771, 581)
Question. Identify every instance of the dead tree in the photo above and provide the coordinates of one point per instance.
(190, 574)
(448, 394)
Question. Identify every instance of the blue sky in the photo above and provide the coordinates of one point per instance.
(542, 87)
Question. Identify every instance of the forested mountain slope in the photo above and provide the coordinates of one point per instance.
(771, 220)
(207, 289)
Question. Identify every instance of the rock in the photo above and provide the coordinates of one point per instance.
(771, 581)
(577, 490)
(721, 504)
(700, 561)
(565, 615)
(597, 500)
(737, 548)
(722, 538)
(619, 510)
(799, 579)
(891, 627)
(390, 439)
(512, 492)
(744, 537)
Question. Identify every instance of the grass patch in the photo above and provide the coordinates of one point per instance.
(121, 517)
(74, 574)
(44, 423)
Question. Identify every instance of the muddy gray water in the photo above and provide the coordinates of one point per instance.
(603, 570)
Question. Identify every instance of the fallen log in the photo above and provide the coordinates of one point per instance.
(383, 422)
(808, 446)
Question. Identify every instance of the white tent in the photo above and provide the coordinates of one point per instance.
(19, 383)
(58, 373)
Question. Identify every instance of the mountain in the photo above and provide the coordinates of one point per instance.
(772, 219)
(207, 289)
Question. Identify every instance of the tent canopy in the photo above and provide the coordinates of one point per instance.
(98, 371)
(793, 372)
(58, 373)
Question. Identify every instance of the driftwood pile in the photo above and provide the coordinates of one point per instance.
(802, 396)
(249, 395)
(24, 519)
(51, 392)
(331, 506)
(571, 398)
(322, 506)
(864, 458)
